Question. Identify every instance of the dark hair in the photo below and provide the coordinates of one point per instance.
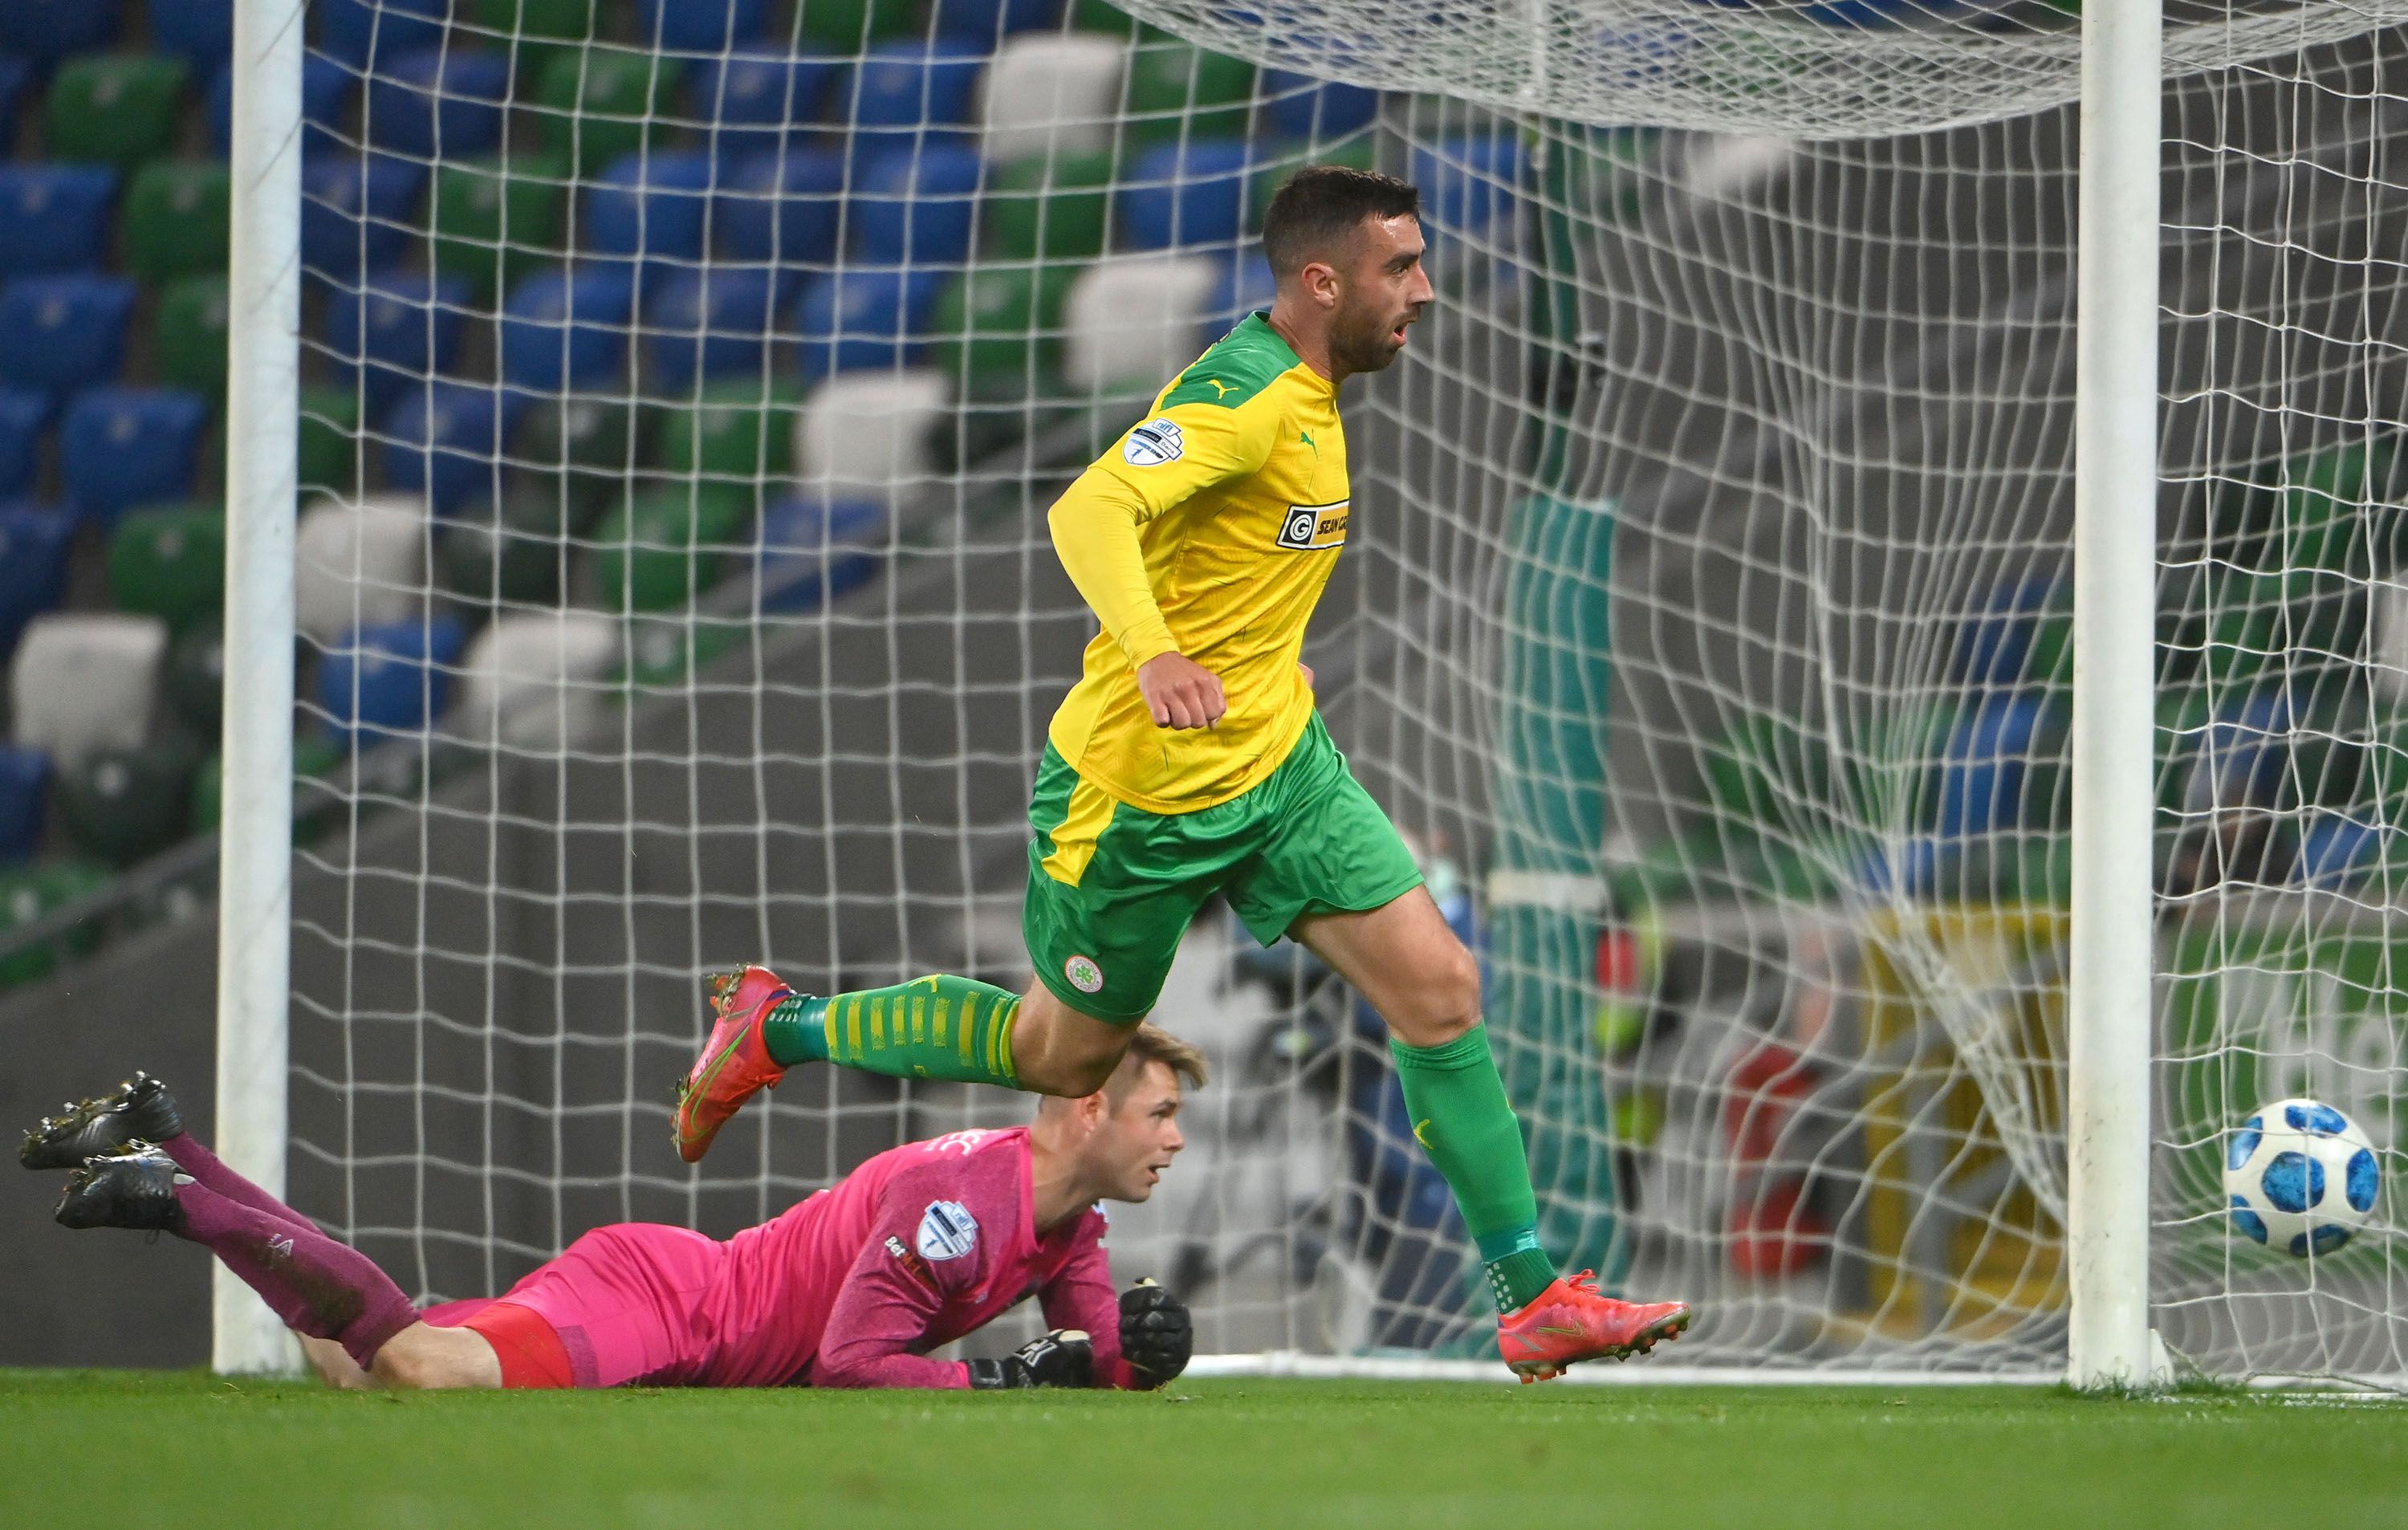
(1324, 203)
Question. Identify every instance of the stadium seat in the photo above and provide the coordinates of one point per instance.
(815, 549)
(999, 321)
(195, 680)
(987, 21)
(326, 99)
(655, 207)
(783, 208)
(597, 106)
(126, 803)
(531, 678)
(663, 549)
(444, 103)
(916, 206)
(60, 334)
(563, 329)
(168, 560)
(392, 333)
(1178, 92)
(737, 431)
(536, 32)
(1048, 210)
(1050, 95)
(709, 321)
(199, 32)
(1467, 184)
(1131, 321)
(84, 681)
(700, 26)
(574, 452)
(841, 27)
(373, 34)
(899, 92)
(442, 441)
(129, 446)
(1983, 788)
(866, 436)
(509, 555)
(32, 892)
(1316, 110)
(34, 542)
(175, 221)
(330, 427)
(189, 346)
(756, 103)
(388, 679)
(1190, 194)
(1111, 20)
(494, 226)
(864, 316)
(358, 212)
(2337, 850)
(24, 795)
(15, 75)
(53, 217)
(1246, 286)
(117, 109)
(23, 416)
(44, 33)
(357, 561)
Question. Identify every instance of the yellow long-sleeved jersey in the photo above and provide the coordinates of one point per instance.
(1209, 530)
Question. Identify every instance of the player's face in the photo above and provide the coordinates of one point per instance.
(1136, 1139)
(1383, 291)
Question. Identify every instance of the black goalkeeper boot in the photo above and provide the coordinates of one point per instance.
(133, 1188)
(139, 1109)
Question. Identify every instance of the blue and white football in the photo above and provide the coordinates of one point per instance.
(2301, 1177)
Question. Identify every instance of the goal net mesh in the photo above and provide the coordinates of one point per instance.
(685, 387)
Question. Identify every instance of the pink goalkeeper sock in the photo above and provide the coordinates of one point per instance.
(317, 1286)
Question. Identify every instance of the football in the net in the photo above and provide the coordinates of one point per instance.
(2299, 1176)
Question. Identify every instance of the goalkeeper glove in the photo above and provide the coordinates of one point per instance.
(1156, 1335)
(1063, 1358)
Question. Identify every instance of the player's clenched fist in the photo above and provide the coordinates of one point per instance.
(1063, 1358)
(1181, 693)
(1156, 1336)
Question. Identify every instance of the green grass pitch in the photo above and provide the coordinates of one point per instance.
(178, 1449)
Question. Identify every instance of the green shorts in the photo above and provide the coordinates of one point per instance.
(1112, 888)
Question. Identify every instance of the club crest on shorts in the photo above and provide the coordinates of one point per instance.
(1154, 443)
(947, 1231)
(1084, 975)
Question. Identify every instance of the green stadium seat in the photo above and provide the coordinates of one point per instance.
(840, 27)
(190, 337)
(195, 679)
(114, 108)
(32, 893)
(575, 452)
(1048, 210)
(492, 226)
(1177, 92)
(733, 432)
(511, 555)
(168, 560)
(330, 425)
(537, 31)
(664, 548)
(991, 410)
(127, 804)
(1002, 322)
(1103, 16)
(598, 104)
(175, 221)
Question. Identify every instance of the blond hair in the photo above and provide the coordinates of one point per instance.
(1151, 1043)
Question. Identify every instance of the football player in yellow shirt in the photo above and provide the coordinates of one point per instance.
(1188, 760)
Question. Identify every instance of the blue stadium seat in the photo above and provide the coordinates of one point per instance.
(899, 92)
(1246, 285)
(781, 207)
(1983, 767)
(654, 206)
(756, 104)
(357, 213)
(444, 441)
(15, 74)
(1185, 194)
(710, 321)
(399, 326)
(2337, 848)
(24, 790)
(54, 217)
(563, 329)
(34, 542)
(1302, 107)
(865, 316)
(199, 32)
(325, 92)
(987, 21)
(447, 101)
(354, 30)
(43, 32)
(60, 334)
(1993, 647)
(815, 549)
(1467, 184)
(700, 26)
(917, 207)
(388, 679)
(24, 413)
(128, 446)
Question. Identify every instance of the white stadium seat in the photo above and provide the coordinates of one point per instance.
(1132, 319)
(1057, 94)
(357, 561)
(530, 681)
(865, 434)
(85, 682)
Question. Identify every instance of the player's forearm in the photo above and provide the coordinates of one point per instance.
(861, 1369)
(1095, 535)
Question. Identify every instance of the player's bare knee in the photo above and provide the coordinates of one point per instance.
(1443, 1006)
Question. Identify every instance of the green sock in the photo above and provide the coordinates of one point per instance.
(1463, 1120)
(928, 1028)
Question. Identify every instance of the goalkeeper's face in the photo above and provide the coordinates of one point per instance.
(1381, 290)
(1135, 1133)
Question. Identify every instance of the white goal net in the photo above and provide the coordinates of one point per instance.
(686, 386)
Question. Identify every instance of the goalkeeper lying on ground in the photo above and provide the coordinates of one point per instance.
(851, 1288)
